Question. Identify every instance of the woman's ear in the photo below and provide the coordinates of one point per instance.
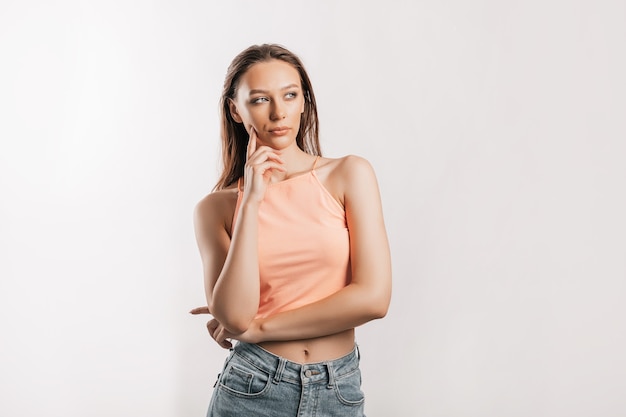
(233, 111)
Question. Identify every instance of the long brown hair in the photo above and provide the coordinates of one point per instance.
(234, 135)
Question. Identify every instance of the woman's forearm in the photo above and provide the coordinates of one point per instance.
(350, 307)
(234, 300)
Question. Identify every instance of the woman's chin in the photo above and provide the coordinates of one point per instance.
(278, 142)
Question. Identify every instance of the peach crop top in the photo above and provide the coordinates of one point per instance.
(304, 246)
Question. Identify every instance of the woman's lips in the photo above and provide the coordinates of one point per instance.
(280, 131)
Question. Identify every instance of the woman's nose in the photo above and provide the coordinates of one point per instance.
(278, 111)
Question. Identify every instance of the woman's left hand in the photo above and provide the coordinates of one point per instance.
(223, 336)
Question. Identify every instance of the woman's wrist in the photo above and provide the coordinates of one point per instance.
(250, 204)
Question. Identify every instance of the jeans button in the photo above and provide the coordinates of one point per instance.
(308, 373)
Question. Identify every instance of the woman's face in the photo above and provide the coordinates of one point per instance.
(270, 99)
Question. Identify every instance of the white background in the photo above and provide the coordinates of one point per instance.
(497, 131)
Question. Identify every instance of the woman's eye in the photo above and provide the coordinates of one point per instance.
(292, 95)
(259, 100)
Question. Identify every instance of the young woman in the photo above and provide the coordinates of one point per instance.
(294, 250)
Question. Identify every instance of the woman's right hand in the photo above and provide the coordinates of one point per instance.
(261, 161)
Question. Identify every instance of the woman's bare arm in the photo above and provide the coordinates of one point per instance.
(231, 265)
(231, 285)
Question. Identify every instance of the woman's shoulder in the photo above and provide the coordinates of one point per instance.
(346, 175)
(346, 168)
(217, 206)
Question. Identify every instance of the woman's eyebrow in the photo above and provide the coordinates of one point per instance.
(259, 91)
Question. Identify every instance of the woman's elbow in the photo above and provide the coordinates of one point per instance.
(236, 326)
(379, 306)
(233, 323)
(379, 310)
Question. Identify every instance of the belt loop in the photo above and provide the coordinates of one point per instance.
(358, 352)
(279, 370)
(331, 375)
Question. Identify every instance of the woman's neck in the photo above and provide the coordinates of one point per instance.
(296, 162)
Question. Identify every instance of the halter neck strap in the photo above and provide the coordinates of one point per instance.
(317, 158)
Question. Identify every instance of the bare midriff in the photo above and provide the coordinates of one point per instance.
(315, 350)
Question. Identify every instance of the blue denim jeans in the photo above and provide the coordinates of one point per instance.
(257, 383)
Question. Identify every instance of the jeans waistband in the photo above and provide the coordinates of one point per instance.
(282, 369)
